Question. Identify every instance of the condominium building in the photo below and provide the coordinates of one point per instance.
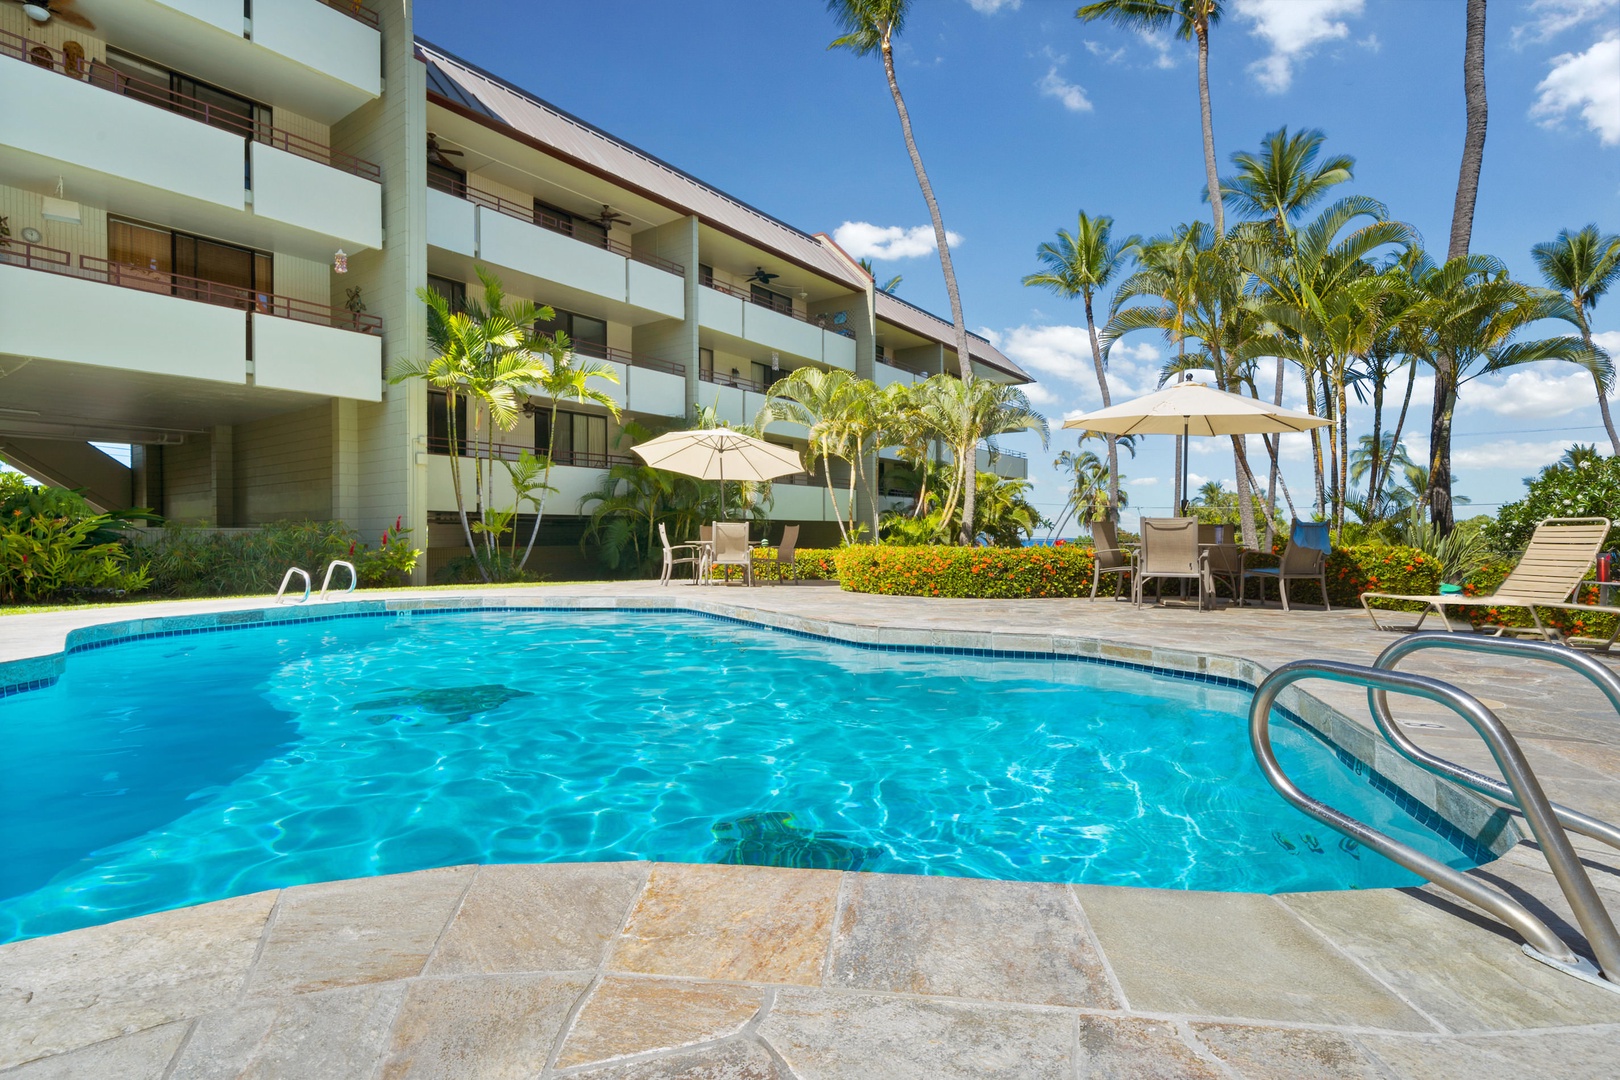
(220, 214)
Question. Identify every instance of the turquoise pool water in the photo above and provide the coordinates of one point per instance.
(178, 770)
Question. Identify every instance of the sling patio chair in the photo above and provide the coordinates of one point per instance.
(697, 555)
(1220, 543)
(731, 548)
(1109, 557)
(1305, 558)
(1560, 552)
(784, 552)
(1170, 550)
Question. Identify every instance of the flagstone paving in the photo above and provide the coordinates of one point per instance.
(656, 970)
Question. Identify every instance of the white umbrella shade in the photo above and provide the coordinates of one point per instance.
(719, 454)
(1190, 408)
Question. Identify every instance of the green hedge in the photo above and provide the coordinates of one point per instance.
(959, 572)
(1488, 578)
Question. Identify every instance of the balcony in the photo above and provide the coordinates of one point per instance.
(142, 317)
(533, 243)
(1008, 463)
(884, 374)
(320, 59)
(572, 479)
(735, 400)
(646, 384)
(731, 311)
(121, 135)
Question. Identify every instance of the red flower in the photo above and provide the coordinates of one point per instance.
(398, 522)
(351, 549)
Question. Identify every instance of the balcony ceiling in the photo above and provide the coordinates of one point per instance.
(170, 37)
(733, 256)
(47, 398)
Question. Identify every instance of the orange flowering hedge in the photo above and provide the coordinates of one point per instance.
(962, 572)
(1361, 568)
(1486, 580)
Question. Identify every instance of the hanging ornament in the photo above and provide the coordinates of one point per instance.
(340, 261)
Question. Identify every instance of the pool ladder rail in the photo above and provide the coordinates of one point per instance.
(1519, 787)
(326, 582)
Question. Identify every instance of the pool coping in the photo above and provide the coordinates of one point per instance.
(1459, 816)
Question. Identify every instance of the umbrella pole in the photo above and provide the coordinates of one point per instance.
(1181, 510)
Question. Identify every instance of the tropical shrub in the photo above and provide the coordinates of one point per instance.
(52, 556)
(1590, 488)
(189, 561)
(1488, 578)
(809, 564)
(963, 572)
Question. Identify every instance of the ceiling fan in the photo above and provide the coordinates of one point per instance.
(438, 154)
(609, 217)
(42, 11)
(762, 277)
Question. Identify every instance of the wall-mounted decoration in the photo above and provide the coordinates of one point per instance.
(32, 235)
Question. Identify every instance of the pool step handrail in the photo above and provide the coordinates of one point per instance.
(1541, 943)
(1593, 670)
(288, 576)
(354, 577)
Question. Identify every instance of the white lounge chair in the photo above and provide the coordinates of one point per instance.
(731, 548)
(681, 554)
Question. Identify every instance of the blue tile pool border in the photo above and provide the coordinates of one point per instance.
(91, 638)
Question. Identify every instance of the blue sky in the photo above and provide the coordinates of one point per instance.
(1024, 115)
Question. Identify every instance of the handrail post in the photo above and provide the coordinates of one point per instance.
(1542, 943)
(354, 576)
(285, 578)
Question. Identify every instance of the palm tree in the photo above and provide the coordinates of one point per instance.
(824, 401)
(1093, 490)
(1080, 264)
(887, 287)
(1475, 311)
(1462, 211)
(964, 414)
(569, 378)
(1192, 20)
(870, 26)
(1582, 265)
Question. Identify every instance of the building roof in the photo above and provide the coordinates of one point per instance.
(472, 89)
(892, 309)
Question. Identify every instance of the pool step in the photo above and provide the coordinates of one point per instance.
(1521, 789)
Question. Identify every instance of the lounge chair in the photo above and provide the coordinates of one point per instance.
(1108, 556)
(1560, 552)
(731, 548)
(1305, 558)
(679, 554)
(1220, 543)
(1170, 550)
(784, 551)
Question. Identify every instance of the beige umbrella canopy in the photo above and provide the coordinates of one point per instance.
(719, 454)
(1190, 408)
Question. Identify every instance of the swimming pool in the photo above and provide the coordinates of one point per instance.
(176, 770)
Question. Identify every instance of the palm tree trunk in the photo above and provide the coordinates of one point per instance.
(1406, 403)
(1377, 442)
(832, 496)
(1274, 449)
(964, 359)
(1438, 495)
(1603, 399)
(1210, 173)
(1343, 475)
(1102, 387)
(1245, 493)
(545, 488)
(1316, 445)
(455, 480)
(1462, 212)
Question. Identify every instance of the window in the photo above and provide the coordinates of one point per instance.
(587, 335)
(706, 364)
(162, 260)
(581, 439)
(451, 289)
(769, 298)
(447, 178)
(438, 423)
(764, 376)
(705, 274)
(156, 85)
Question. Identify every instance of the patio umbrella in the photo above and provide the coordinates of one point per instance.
(1191, 408)
(719, 454)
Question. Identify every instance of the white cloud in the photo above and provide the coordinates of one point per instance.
(1072, 96)
(1063, 353)
(1508, 454)
(1588, 82)
(1104, 53)
(1550, 18)
(1144, 481)
(990, 7)
(1293, 29)
(1609, 342)
(1039, 395)
(1162, 44)
(864, 240)
(1533, 393)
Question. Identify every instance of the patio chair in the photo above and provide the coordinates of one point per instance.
(784, 550)
(1170, 550)
(731, 548)
(679, 554)
(1305, 558)
(1559, 554)
(1220, 543)
(1108, 557)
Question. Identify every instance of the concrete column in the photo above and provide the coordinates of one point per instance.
(222, 475)
(346, 462)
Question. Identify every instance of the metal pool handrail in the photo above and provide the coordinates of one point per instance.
(1541, 943)
(326, 582)
(1378, 701)
(285, 578)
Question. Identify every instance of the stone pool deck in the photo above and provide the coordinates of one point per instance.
(662, 970)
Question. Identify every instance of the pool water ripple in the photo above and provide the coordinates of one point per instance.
(175, 771)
